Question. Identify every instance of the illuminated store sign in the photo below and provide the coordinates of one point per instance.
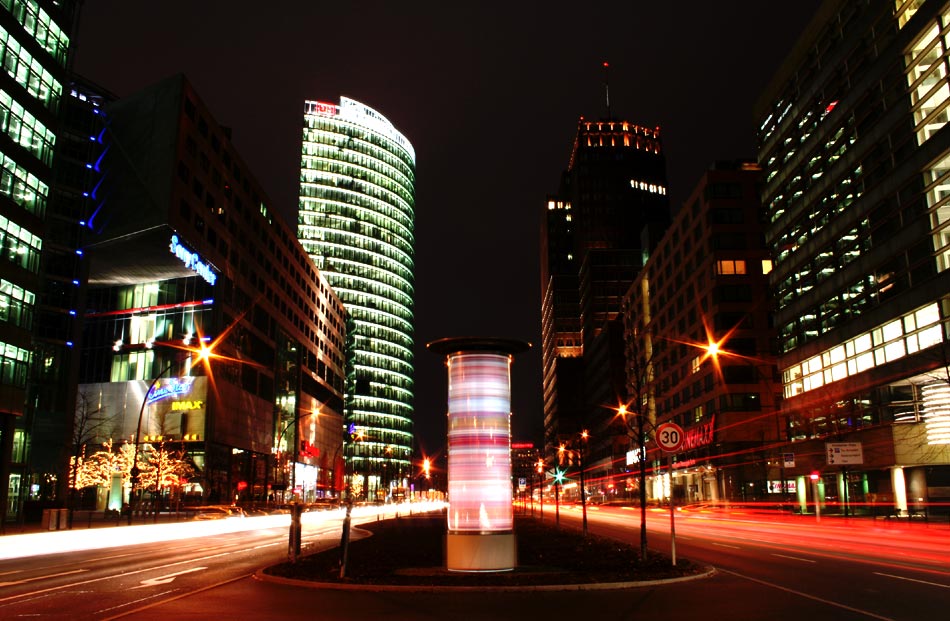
(172, 388)
(192, 261)
(699, 435)
(187, 406)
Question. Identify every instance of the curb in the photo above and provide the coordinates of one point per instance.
(260, 575)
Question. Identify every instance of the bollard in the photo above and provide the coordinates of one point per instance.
(293, 540)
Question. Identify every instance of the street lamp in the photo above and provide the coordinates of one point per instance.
(281, 459)
(638, 429)
(540, 468)
(579, 452)
(204, 353)
(714, 350)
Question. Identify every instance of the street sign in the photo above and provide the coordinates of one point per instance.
(669, 436)
(788, 460)
(844, 453)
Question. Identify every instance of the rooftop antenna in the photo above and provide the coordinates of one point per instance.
(607, 86)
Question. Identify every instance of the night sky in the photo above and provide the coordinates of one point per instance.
(489, 94)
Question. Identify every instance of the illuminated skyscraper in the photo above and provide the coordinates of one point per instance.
(854, 143)
(37, 314)
(357, 196)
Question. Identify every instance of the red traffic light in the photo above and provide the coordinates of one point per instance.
(814, 476)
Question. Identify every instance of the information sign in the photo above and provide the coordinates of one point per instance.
(844, 453)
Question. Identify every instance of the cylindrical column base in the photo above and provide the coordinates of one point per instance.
(480, 552)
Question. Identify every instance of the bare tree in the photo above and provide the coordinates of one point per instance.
(638, 413)
(88, 424)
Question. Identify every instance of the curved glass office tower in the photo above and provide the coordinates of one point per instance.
(357, 195)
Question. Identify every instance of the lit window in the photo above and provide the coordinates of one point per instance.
(728, 268)
(766, 266)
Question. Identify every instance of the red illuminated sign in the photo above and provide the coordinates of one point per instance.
(326, 109)
(699, 435)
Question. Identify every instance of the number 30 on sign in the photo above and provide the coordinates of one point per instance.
(669, 436)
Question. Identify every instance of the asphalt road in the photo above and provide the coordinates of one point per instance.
(767, 568)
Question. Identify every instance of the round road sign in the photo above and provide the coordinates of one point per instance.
(669, 436)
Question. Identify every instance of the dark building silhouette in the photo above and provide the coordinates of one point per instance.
(595, 233)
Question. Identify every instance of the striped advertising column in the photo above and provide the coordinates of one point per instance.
(480, 533)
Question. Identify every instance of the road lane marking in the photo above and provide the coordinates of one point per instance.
(806, 595)
(43, 577)
(166, 578)
(181, 594)
(111, 577)
(724, 545)
(936, 584)
(125, 575)
(144, 599)
(795, 558)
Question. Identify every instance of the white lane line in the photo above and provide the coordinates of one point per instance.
(936, 584)
(44, 577)
(795, 558)
(111, 577)
(723, 545)
(132, 603)
(806, 595)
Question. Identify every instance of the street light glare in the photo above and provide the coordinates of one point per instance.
(204, 352)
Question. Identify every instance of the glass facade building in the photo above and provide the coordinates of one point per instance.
(34, 46)
(356, 220)
(187, 250)
(853, 141)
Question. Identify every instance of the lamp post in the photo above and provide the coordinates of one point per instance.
(540, 468)
(281, 456)
(714, 350)
(579, 452)
(638, 429)
(584, 436)
(134, 471)
(204, 353)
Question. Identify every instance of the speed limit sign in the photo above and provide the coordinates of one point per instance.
(669, 436)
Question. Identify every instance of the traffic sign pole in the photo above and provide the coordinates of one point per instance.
(670, 438)
(672, 514)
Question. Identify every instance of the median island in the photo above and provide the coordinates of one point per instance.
(408, 551)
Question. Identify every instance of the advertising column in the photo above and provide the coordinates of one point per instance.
(480, 522)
